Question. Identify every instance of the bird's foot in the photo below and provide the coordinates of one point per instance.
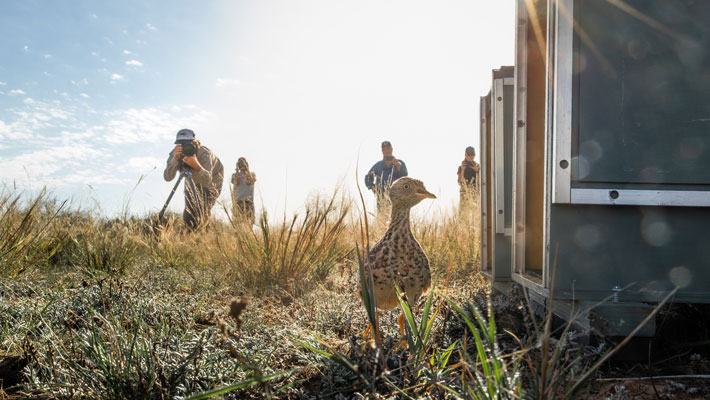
(371, 335)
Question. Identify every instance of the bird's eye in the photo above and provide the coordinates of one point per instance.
(406, 186)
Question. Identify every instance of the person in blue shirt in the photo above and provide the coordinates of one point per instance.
(380, 177)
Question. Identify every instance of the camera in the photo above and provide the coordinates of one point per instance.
(388, 158)
(469, 164)
(188, 148)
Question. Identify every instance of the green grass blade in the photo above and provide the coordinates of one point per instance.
(482, 355)
(238, 385)
(411, 324)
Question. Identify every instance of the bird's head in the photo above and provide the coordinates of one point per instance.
(408, 192)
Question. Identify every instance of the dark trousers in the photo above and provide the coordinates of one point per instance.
(468, 195)
(198, 208)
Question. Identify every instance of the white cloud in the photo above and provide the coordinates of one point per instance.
(94, 16)
(95, 54)
(116, 77)
(47, 56)
(227, 82)
(4, 129)
(42, 163)
(35, 122)
(151, 125)
(143, 164)
(151, 27)
(68, 137)
(90, 177)
(16, 92)
(59, 113)
(127, 52)
(26, 48)
(67, 146)
(134, 63)
(3, 83)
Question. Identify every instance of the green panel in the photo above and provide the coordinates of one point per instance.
(642, 101)
(508, 162)
(599, 247)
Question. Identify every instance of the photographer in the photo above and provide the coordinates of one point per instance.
(243, 192)
(205, 184)
(381, 175)
(468, 179)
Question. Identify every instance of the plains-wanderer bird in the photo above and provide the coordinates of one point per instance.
(398, 257)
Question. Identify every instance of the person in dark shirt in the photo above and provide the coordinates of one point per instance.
(380, 177)
(468, 179)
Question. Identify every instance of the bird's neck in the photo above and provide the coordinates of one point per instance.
(400, 220)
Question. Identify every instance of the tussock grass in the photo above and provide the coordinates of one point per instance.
(292, 254)
(451, 242)
(27, 234)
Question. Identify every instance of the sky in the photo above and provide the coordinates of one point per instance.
(92, 93)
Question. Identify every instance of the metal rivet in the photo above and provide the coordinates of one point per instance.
(500, 211)
(615, 290)
(564, 164)
(614, 194)
(500, 98)
(521, 123)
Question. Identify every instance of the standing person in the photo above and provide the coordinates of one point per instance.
(243, 192)
(205, 185)
(380, 177)
(468, 179)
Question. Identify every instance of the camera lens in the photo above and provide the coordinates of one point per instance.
(188, 149)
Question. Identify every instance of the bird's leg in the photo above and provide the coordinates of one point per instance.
(366, 334)
(378, 337)
(400, 321)
(371, 332)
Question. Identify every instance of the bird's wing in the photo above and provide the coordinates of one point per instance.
(374, 258)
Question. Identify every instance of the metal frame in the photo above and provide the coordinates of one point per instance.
(635, 197)
(563, 192)
(483, 143)
(562, 59)
(519, 153)
(498, 139)
(550, 108)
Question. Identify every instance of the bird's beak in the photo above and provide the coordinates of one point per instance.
(425, 194)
